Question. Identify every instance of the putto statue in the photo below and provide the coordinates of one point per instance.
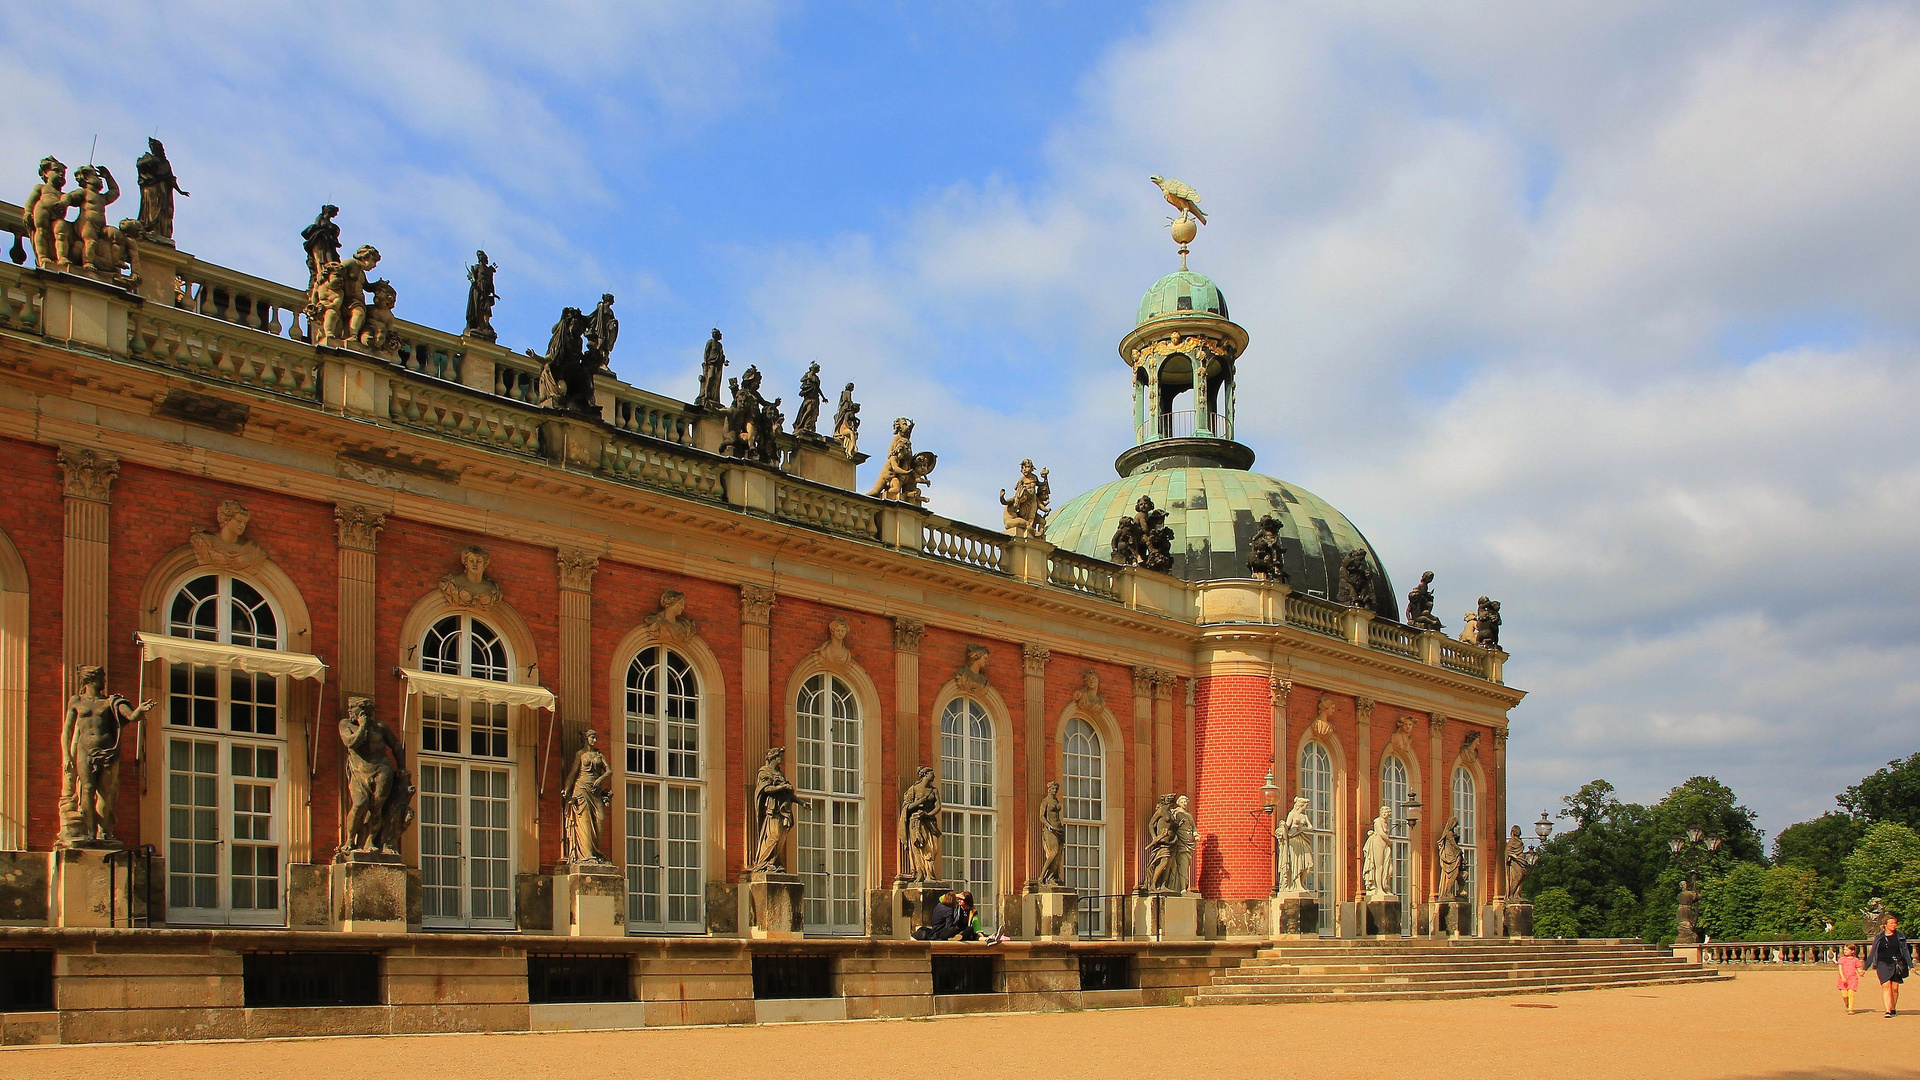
(1026, 512)
(903, 471)
(376, 779)
(713, 363)
(1376, 857)
(1296, 847)
(1127, 542)
(481, 298)
(1420, 614)
(158, 186)
(90, 772)
(1053, 838)
(1144, 540)
(338, 305)
(846, 422)
(99, 242)
(586, 790)
(45, 216)
(920, 836)
(1263, 553)
(807, 420)
(1356, 579)
(752, 421)
(1482, 625)
(773, 799)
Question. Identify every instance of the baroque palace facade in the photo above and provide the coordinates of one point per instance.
(275, 512)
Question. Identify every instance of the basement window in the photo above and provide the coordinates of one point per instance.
(1106, 971)
(792, 975)
(280, 980)
(578, 978)
(26, 980)
(962, 974)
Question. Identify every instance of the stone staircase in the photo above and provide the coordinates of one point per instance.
(1417, 968)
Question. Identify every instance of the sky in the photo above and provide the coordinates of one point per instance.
(1606, 310)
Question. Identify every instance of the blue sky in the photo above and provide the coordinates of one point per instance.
(1604, 309)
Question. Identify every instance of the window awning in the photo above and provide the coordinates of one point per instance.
(179, 650)
(469, 689)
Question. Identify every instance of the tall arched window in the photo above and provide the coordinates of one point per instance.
(966, 794)
(1316, 784)
(1466, 810)
(465, 782)
(827, 777)
(666, 884)
(1393, 794)
(1083, 810)
(226, 757)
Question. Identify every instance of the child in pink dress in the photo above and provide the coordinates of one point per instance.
(1849, 975)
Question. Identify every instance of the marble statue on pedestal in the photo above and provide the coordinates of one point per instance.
(1053, 838)
(903, 472)
(158, 185)
(586, 790)
(713, 364)
(1026, 512)
(1517, 863)
(1186, 840)
(1163, 840)
(1376, 857)
(773, 799)
(920, 835)
(1450, 863)
(90, 740)
(376, 760)
(1296, 838)
(807, 420)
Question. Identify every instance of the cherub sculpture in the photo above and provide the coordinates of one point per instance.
(1026, 512)
(903, 472)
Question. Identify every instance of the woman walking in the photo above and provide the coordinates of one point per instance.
(1892, 959)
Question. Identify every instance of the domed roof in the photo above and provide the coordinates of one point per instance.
(1182, 291)
(1214, 513)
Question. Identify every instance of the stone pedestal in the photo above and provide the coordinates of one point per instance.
(1294, 914)
(774, 905)
(1351, 919)
(912, 903)
(822, 461)
(369, 893)
(1052, 913)
(1166, 917)
(26, 887)
(1383, 917)
(1519, 918)
(1688, 953)
(88, 891)
(1449, 920)
(596, 899)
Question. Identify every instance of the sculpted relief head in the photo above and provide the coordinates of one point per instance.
(475, 561)
(233, 520)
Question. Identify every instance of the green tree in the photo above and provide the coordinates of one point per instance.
(1821, 845)
(1712, 807)
(1623, 915)
(1601, 852)
(1553, 915)
(1730, 902)
(1892, 794)
(1789, 904)
(1886, 863)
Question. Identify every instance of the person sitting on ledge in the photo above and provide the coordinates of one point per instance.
(946, 922)
(967, 915)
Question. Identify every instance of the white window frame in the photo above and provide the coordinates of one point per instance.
(1316, 783)
(489, 845)
(831, 810)
(1466, 811)
(1083, 766)
(227, 844)
(665, 846)
(1394, 782)
(967, 804)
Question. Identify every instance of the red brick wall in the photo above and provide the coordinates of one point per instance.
(32, 516)
(1233, 747)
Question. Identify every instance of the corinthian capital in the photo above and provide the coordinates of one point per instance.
(907, 633)
(90, 473)
(358, 527)
(756, 604)
(577, 568)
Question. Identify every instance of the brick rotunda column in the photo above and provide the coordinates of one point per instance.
(1233, 748)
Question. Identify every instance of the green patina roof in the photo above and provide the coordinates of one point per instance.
(1182, 291)
(1213, 514)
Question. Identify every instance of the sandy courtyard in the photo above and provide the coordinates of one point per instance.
(1766, 1023)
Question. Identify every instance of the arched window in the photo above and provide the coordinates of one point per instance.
(966, 794)
(1393, 794)
(226, 757)
(465, 782)
(1083, 810)
(1466, 811)
(666, 883)
(1316, 784)
(827, 778)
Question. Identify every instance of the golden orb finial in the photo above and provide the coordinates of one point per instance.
(1187, 201)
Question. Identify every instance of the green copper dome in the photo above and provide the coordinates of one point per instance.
(1182, 292)
(1214, 513)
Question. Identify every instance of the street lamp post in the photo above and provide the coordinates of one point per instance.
(1410, 905)
(1269, 805)
(1688, 850)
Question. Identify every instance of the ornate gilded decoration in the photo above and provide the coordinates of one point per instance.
(470, 587)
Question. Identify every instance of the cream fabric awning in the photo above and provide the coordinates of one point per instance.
(178, 650)
(468, 689)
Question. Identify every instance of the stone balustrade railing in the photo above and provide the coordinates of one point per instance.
(230, 328)
(968, 545)
(1776, 952)
(1069, 570)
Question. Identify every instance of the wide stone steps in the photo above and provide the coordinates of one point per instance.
(1393, 970)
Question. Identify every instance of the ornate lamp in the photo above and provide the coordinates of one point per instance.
(1675, 844)
(1269, 794)
(1694, 834)
(1543, 828)
(1713, 844)
(1410, 809)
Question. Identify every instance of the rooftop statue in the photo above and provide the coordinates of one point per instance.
(807, 420)
(903, 471)
(1180, 196)
(752, 420)
(480, 298)
(339, 300)
(1026, 512)
(566, 375)
(1128, 540)
(1159, 540)
(45, 216)
(1420, 614)
(712, 364)
(102, 247)
(1264, 552)
(157, 188)
(1356, 579)
(1482, 625)
(846, 422)
(322, 242)
(602, 331)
